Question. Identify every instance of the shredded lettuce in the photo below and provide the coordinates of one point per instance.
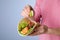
(23, 24)
(30, 30)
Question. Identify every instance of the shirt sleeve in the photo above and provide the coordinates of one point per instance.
(37, 11)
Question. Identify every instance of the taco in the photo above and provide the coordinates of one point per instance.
(26, 26)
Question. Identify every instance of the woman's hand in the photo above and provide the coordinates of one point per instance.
(26, 11)
(55, 31)
(39, 30)
(45, 30)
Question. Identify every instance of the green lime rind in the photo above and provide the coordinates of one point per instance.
(31, 13)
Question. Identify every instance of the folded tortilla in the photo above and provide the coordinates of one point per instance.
(24, 26)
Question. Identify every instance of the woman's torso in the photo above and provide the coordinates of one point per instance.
(50, 10)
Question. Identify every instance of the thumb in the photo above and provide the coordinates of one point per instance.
(39, 30)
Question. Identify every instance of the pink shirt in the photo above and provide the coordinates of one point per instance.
(50, 11)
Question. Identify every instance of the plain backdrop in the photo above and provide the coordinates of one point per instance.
(10, 11)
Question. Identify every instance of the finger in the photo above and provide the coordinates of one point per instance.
(39, 29)
(28, 8)
(24, 14)
(35, 32)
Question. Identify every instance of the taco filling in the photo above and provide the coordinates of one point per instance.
(25, 26)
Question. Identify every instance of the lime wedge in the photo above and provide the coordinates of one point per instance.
(31, 13)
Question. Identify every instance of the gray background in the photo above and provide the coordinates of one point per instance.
(9, 17)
